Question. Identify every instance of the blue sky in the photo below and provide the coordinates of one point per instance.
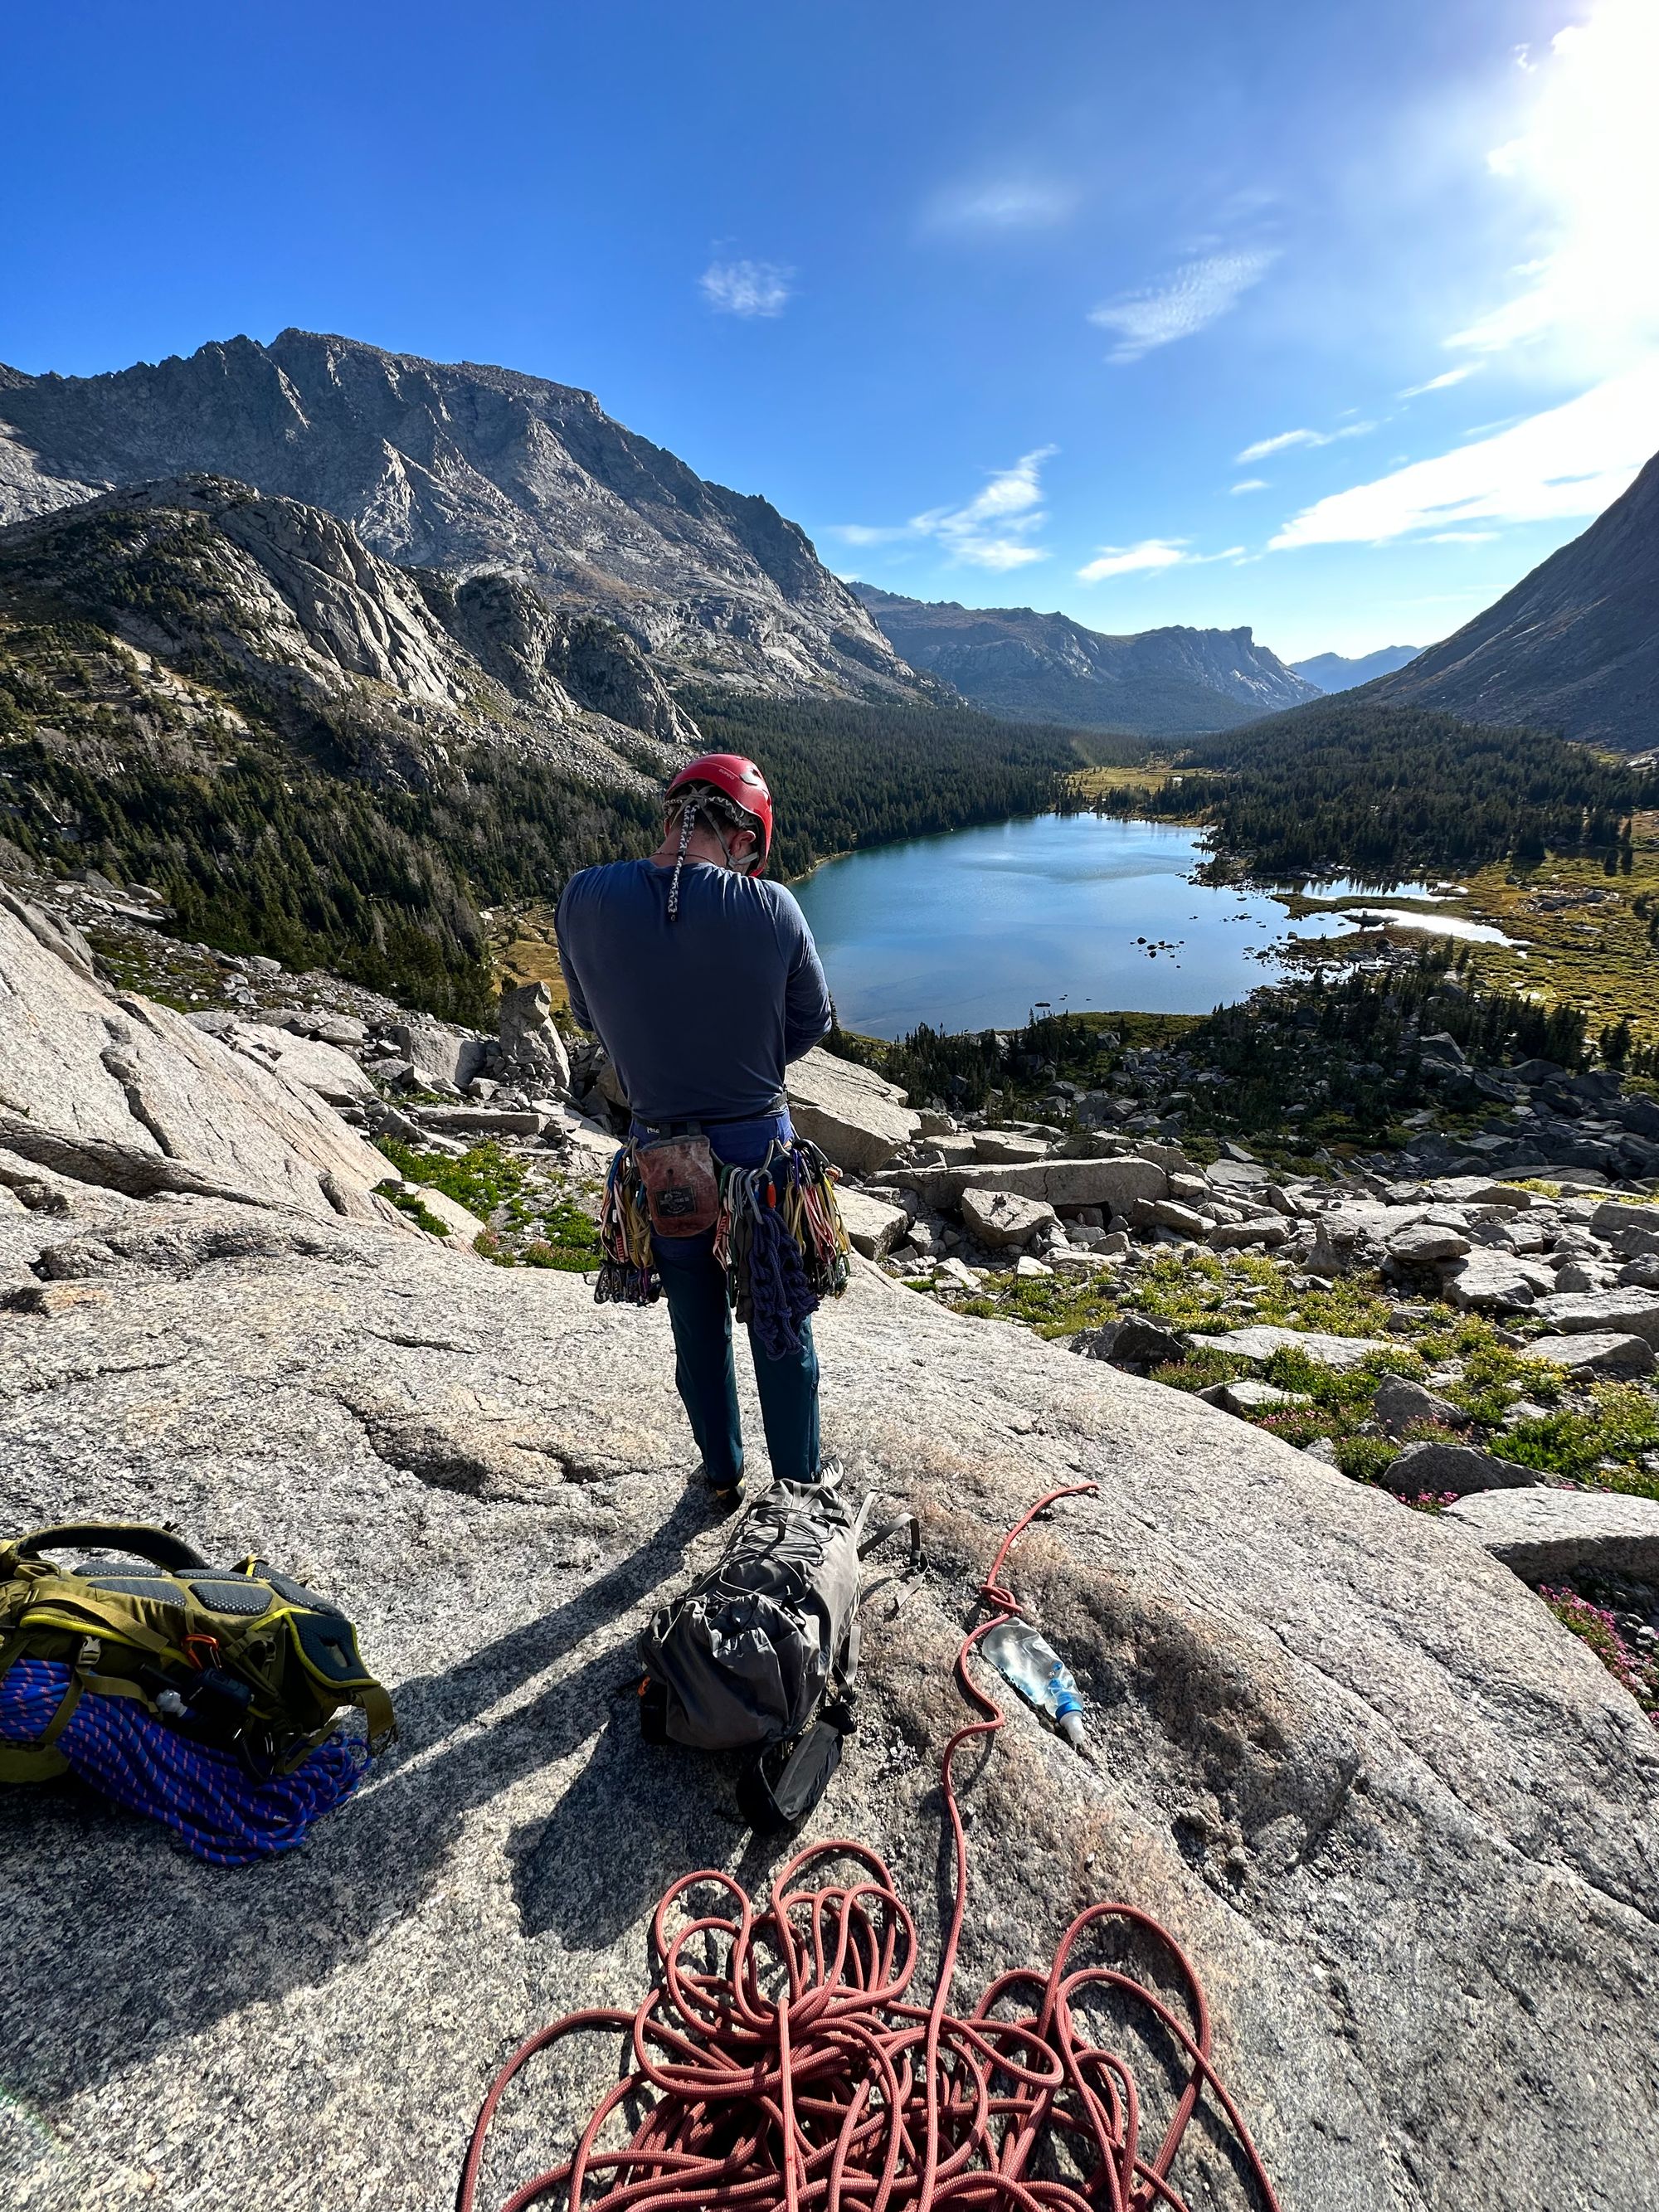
(1329, 319)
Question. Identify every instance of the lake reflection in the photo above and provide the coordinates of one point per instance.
(969, 930)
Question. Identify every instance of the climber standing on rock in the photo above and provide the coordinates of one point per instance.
(701, 981)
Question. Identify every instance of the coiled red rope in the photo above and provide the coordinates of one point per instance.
(794, 2075)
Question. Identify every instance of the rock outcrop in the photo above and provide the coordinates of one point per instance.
(284, 607)
(1403, 1821)
(466, 468)
(858, 1120)
(114, 1091)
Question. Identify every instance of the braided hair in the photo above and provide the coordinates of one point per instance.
(700, 802)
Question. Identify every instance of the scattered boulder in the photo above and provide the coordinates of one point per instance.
(442, 1056)
(530, 1049)
(1246, 1398)
(855, 1118)
(1268, 1229)
(1131, 1342)
(1258, 1344)
(1616, 1214)
(1496, 1282)
(1424, 1243)
(1596, 1351)
(1626, 1311)
(1399, 1404)
(1239, 1175)
(1001, 1218)
(1005, 1146)
(1539, 1534)
(873, 1226)
(479, 1123)
(1459, 1468)
(1167, 1214)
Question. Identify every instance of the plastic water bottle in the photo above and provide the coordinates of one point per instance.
(1039, 1673)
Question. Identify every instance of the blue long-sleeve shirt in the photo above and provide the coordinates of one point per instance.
(702, 1015)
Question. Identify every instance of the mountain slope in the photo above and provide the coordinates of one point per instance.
(467, 468)
(307, 751)
(1013, 660)
(1574, 647)
(1335, 671)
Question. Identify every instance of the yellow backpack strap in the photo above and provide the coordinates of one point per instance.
(375, 1704)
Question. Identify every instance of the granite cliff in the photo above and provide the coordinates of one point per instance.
(466, 468)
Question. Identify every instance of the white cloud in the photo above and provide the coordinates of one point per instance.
(1151, 555)
(746, 288)
(1286, 439)
(1439, 383)
(1006, 203)
(1587, 158)
(1187, 300)
(1569, 461)
(1461, 538)
(1250, 483)
(993, 530)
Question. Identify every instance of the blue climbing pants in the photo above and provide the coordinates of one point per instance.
(704, 1372)
(706, 1376)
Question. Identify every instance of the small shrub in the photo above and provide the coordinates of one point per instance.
(1620, 1423)
(1366, 1459)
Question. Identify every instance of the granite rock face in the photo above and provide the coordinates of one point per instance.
(466, 468)
(854, 1117)
(1401, 1819)
(116, 1091)
(285, 605)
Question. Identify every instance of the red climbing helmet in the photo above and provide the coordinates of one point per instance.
(742, 782)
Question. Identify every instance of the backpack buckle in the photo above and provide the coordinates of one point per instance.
(88, 1657)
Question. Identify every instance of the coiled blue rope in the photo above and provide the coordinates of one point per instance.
(216, 1808)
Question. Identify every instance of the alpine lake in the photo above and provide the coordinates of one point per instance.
(1070, 914)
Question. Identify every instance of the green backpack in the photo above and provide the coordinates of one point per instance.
(241, 1658)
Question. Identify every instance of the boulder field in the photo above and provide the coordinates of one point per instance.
(1403, 1822)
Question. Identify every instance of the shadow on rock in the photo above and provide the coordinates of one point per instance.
(125, 1938)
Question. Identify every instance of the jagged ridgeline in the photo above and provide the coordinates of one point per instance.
(311, 752)
(1386, 791)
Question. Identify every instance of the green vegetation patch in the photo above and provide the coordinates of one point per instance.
(1600, 1446)
(528, 1222)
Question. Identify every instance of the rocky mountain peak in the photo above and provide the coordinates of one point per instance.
(465, 467)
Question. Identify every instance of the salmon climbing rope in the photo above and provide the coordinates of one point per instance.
(779, 2061)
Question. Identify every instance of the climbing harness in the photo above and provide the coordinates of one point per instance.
(795, 2073)
(778, 1234)
(205, 1697)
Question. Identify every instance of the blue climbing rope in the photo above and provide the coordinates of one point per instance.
(218, 1810)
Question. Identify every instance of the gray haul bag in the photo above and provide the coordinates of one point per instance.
(760, 1657)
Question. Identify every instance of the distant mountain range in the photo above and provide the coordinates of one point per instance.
(1334, 671)
(468, 468)
(1574, 647)
(1045, 667)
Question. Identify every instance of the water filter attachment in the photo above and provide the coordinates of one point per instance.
(1039, 1673)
